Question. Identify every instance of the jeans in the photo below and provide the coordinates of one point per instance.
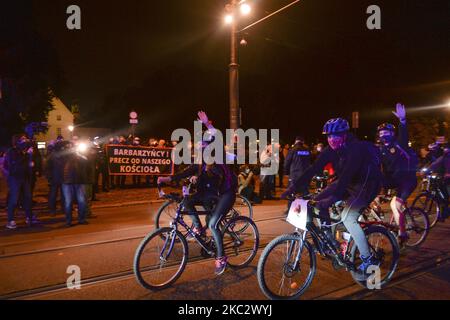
(16, 186)
(72, 192)
(53, 195)
(266, 186)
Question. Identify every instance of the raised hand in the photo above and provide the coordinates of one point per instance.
(400, 112)
(203, 117)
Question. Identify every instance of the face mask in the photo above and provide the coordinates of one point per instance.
(336, 141)
(387, 139)
(247, 171)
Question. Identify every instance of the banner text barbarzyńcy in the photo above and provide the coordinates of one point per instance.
(137, 160)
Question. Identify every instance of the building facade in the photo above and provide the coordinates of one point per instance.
(60, 119)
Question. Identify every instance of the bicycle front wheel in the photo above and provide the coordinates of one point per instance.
(417, 226)
(160, 259)
(383, 245)
(286, 268)
(240, 246)
(429, 204)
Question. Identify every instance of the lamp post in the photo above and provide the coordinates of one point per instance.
(231, 19)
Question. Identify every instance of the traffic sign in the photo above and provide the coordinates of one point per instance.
(133, 115)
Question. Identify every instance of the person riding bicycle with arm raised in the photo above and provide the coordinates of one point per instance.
(216, 181)
(399, 165)
(358, 182)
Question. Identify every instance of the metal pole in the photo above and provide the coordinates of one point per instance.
(234, 74)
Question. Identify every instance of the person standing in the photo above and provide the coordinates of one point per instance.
(297, 162)
(55, 173)
(18, 169)
(266, 176)
(136, 178)
(74, 183)
(91, 155)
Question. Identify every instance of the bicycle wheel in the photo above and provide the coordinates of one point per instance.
(384, 246)
(278, 277)
(430, 205)
(160, 259)
(240, 247)
(167, 213)
(417, 226)
(243, 206)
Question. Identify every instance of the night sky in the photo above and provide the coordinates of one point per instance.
(317, 60)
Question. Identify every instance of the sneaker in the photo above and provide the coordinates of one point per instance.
(83, 222)
(366, 263)
(31, 221)
(11, 225)
(221, 265)
(197, 231)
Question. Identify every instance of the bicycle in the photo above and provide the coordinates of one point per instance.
(431, 198)
(288, 264)
(161, 257)
(416, 220)
(166, 213)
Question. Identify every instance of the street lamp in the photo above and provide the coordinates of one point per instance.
(245, 9)
(231, 20)
(71, 128)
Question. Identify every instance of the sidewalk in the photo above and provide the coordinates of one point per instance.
(114, 198)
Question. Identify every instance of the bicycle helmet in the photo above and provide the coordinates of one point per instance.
(386, 126)
(337, 125)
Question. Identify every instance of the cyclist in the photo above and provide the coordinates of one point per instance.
(214, 182)
(399, 164)
(357, 169)
(442, 166)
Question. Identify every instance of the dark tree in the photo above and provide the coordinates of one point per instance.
(29, 70)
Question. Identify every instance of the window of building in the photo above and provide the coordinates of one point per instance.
(58, 117)
(58, 131)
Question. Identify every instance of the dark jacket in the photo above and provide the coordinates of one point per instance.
(297, 161)
(442, 166)
(398, 159)
(76, 169)
(212, 179)
(55, 168)
(17, 163)
(355, 164)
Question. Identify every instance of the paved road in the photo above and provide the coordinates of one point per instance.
(104, 251)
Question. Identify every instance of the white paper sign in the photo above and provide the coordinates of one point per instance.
(298, 214)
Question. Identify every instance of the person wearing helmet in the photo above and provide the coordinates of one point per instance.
(357, 168)
(435, 151)
(399, 165)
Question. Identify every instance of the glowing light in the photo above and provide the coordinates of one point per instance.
(71, 128)
(229, 19)
(245, 9)
(82, 147)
